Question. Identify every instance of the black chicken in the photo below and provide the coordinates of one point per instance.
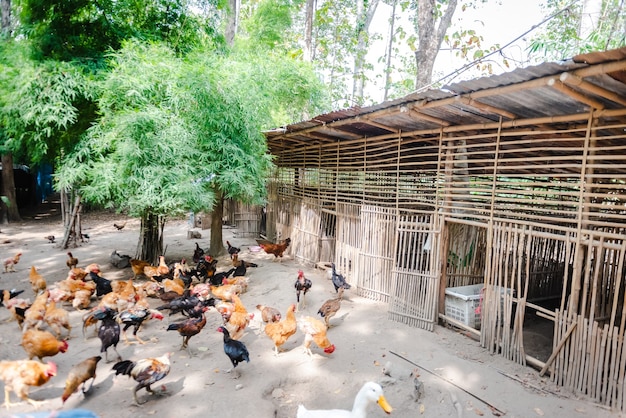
(5, 295)
(205, 268)
(217, 278)
(241, 269)
(146, 371)
(232, 250)
(235, 350)
(186, 304)
(302, 285)
(109, 331)
(198, 254)
(189, 327)
(103, 286)
(338, 279)
(134, 317)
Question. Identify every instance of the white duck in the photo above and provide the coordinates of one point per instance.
(370, 393)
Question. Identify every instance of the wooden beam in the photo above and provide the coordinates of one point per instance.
(576, 81)
(419, 115)
(558, 85)
(368, 121)
(485, 107)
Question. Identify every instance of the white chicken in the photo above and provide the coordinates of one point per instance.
(371, 392)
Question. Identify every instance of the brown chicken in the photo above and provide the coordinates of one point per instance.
(137, 266)
(89, 320)
(42, 344)
(119, 226)
(276, 249)
(57, 318)
(161, 270)
(20, 375)
(65, 290)
(280, 331)
(225, 292)
(189, 327)
(37, 282)
(71, 261)
(79, 375)
(9, 263)
(174, 285)
(314, 331)
(82, 299)
(269, 314)
(33, 317)
(239, 319)
(330, 307)
(77, 273)
(241, 281)
(225, 309)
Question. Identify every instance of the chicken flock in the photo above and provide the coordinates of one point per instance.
(184, 295)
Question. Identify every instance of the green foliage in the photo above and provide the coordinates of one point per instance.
(173, 131)
(85, 30)
(140, 157)
(335, 41)
(269, 23)
(38, 103)
(280, 90)
(560, 38)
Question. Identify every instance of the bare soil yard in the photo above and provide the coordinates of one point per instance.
(460, 378)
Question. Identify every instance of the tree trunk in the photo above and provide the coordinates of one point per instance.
(308, 30)
(232, 22)
(390, 50)
(430, 37)
(150, 245)
(217, 243)
(364, 19)
(8, 184)
(5, 12)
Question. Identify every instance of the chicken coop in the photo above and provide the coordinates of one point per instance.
(512, 186)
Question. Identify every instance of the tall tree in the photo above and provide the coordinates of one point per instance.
(141, 156)
(431, 22)
(333, 48)
(176, 135)
(309, 17)
(9, 203)
(365, 10)
(5, 16)
(232, 21)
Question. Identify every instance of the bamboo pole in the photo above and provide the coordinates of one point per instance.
(558, 348)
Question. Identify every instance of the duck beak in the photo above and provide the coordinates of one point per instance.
(382, 402)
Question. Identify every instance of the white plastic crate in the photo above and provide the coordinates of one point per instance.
(461, 304)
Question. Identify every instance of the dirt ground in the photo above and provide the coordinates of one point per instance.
(460, 379)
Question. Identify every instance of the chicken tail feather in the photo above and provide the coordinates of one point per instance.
(123, 367)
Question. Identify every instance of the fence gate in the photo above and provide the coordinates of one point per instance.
(375, 264)
(415, 276)
(306, 233)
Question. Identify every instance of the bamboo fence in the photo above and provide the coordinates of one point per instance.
(536, 216)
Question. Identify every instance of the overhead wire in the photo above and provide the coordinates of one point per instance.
(500, 50)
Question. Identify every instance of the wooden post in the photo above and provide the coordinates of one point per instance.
(70, 228)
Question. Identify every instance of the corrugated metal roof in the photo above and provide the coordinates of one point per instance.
(588, 81)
